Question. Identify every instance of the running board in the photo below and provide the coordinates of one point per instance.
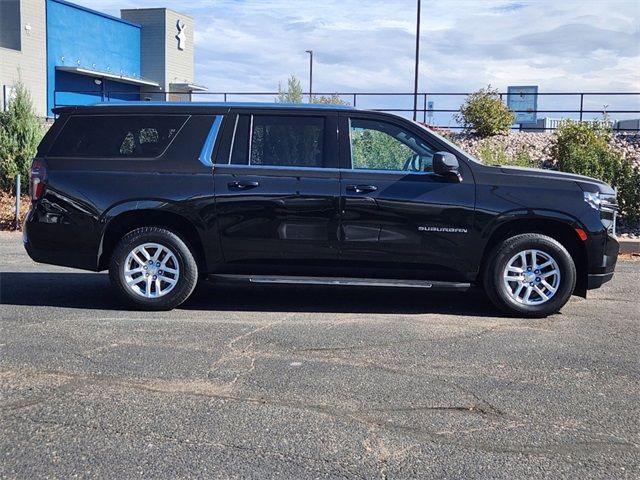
(347, 281)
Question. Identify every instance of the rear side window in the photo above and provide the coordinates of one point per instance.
(287, 141)
(117, 136)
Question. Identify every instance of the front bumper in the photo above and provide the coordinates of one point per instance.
(596, 280)
(603, 262)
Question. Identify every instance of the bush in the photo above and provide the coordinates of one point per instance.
(496, 154)
(484, 113)
(329, 100)
(20, 133)
(583, 148)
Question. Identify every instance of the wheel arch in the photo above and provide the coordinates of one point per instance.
(562, 231)
(125, 221)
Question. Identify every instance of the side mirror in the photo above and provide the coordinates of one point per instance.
(446, 164)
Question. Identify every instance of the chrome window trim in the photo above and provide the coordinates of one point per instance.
(233, 141)
(207, 148)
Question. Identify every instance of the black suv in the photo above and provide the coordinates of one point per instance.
(164, 194)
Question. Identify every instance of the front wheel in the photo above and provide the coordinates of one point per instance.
(153, 269)
(530, 275)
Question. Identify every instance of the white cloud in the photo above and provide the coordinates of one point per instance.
(572, 45)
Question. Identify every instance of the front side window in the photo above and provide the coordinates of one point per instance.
(377, 145)
(117, 136)
(286, 141)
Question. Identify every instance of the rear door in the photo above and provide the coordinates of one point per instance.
(398, 217)
(277, 192)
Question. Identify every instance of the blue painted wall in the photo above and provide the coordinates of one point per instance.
(74, 89)
(77, 36)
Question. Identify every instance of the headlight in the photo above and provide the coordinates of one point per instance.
(593, 199)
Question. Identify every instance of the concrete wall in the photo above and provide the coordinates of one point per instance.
(179, 62)
(152, 45)
(30, 60)
(162, 60)
(85, 38)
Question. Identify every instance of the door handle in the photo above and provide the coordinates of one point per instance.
(361, 188)
(243, 185)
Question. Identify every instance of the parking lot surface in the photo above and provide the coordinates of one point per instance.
(250, 381)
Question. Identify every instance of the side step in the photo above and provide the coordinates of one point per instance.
(348, 281)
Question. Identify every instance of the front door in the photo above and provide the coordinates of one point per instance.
(398, 218)
(277, 193)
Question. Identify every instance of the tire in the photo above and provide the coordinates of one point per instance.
(514, 258)
(147, 286)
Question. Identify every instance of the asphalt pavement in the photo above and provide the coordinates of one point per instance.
(249, 381)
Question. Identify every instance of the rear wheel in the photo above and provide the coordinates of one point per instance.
(153, 269)
(530, 275)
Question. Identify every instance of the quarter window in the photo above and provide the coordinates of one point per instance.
(117, 136)
(379, 145)
(287, 141)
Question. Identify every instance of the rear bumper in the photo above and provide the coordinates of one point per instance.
(53, 244)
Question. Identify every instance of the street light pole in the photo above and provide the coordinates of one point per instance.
(310, 52)
(415, 84)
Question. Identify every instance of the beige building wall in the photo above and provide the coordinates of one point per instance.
(179, 62)
(162, 60)
(31, 59)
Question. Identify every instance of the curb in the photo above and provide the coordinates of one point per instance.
(629, 246)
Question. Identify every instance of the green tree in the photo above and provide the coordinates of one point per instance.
(329, 100)
(484, 113)
(20, 134)
(293, 93)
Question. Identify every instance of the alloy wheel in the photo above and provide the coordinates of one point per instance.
(151, 270)
(531, 277)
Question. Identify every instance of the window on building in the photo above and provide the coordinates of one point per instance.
(10, 24)
(117, 136)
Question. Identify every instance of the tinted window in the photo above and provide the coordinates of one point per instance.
(287, 141)
(117, 136)
(379, 145)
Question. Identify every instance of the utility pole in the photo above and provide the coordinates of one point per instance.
(415, 84)
(310, 52)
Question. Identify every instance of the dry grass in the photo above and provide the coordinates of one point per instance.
(8, 209)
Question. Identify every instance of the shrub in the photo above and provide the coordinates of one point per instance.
(484, 113)
(496, 154)
(583, 148)
(493, 154)
(333, 99)
(20, 133)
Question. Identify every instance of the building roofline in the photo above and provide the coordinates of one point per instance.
(96, 12)
(155, 8)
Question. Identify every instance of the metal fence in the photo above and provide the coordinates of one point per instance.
(582, 106)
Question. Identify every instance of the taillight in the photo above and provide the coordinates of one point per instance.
(36, 179)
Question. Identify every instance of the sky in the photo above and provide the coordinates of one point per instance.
(365, 46)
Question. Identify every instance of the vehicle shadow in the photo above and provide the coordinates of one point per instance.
(93, 291)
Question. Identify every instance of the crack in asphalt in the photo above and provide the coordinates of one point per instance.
(361, 416)
(349, 470)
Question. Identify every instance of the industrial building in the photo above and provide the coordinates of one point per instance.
(67, 54)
